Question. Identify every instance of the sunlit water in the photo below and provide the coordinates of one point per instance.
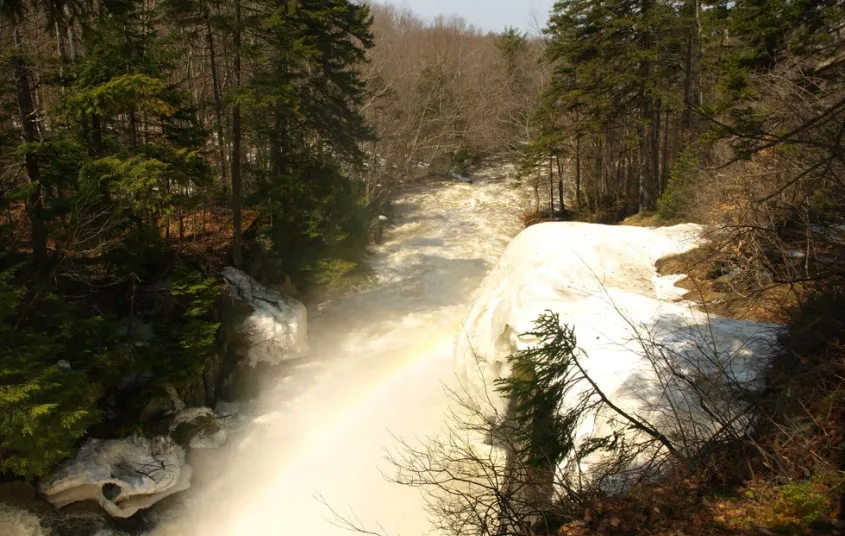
(377, 371)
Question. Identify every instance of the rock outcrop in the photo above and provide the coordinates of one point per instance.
(276, 329)
(122, 475)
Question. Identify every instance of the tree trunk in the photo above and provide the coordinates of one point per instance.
(664, 168)
(649, 160)
(96, 134)
(560, 185)
(237, 256)
(655, 154)
(133, 128)
(218, 105)
(578, 173)
(691, 95)
(71, 35)
(35, 202)
(599, 175)
(61, 31)
(551, 189)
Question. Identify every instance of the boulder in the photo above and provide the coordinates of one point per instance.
(276, 328)
(122, 475)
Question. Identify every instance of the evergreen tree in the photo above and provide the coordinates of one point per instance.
(46, 404)
(118, 149)
(617, 70)
(303, 103)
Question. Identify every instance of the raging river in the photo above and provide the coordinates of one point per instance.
(379, 363)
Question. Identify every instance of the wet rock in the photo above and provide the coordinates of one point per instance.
(16, 492)
(85, 518)
(155, 408)
(244, 382)
(211, 378)
(198, 429)
(135, 381)
(23, 496)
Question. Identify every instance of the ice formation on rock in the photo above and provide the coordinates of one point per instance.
(122, 475)
(277, 328)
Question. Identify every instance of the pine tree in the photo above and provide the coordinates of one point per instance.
(616, 75)
(537, 388)
(145, 143)
(302, 103)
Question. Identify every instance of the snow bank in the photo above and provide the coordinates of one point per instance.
(602, 281)
(277, 329)
(122, 475)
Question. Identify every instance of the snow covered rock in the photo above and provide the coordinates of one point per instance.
(277, 328)
(123, 475)
(198, 428)
(602, 281)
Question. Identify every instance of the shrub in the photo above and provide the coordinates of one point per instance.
(461, 161)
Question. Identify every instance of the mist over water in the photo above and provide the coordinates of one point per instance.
(379, 361)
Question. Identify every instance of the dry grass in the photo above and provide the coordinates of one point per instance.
(683, 508)
(205, 233)
(768, 304)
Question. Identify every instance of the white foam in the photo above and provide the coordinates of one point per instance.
(16, 522)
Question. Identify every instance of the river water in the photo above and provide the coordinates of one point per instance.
(379, 362)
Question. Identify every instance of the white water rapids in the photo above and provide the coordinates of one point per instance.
(378, 365)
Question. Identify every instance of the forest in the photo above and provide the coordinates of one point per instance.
(147, 144)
